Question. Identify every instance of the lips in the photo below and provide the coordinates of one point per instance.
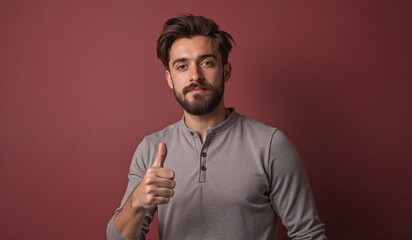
(195, 87)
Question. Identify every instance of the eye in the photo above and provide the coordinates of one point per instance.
(181, 67)
(207, 63)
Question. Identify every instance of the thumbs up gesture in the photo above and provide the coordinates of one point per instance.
(161, 156)
(157, 185)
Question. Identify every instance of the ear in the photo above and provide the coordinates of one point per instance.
(169, 79)
(227, 71)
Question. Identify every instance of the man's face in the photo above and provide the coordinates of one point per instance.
(197, 75)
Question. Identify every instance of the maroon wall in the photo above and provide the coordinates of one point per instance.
(80, 86)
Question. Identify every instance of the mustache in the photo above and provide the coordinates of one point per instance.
(197, 85)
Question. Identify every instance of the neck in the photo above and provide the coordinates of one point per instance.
(201, 123)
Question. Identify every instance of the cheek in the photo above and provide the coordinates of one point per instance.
(212, 74)
(175, 80)
(177, 86)
(217, 77)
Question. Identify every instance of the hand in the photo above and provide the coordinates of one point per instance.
(157, 184)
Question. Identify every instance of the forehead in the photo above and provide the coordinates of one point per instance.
(192, 48)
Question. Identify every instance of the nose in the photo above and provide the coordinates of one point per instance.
(196, 74)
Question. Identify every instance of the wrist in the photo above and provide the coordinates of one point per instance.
(137, 207)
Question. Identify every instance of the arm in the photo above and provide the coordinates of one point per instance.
(154, 189)
(290, 194)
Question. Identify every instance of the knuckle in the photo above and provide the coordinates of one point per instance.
(172, 174)
(149, 189)
(151, 200)
(151, 171)
(149, 180)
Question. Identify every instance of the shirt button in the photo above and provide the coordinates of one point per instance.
(192, 133)
(203, 168)
(204, 154)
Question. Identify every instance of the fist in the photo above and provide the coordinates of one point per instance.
(157, 185)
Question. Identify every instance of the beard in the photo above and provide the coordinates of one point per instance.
(202, 103)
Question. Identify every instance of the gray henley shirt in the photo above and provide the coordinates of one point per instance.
(232, 186)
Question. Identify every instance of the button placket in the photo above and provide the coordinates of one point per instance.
(202, 173)
(203, 158)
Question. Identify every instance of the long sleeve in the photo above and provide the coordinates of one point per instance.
(137, 170)
(290, 194)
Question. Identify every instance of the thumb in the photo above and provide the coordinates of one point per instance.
(161, 155)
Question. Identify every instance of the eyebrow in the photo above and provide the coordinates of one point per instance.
(177, 60)
(201, 57)
(207, 55)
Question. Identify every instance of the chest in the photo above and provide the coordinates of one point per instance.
(219, 174)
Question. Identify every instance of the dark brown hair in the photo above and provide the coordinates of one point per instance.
(188, 26)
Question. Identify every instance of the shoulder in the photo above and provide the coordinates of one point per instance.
(254, 126)
(163, 134)
(147, 148)
(260, 131)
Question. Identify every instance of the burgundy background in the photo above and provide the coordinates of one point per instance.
(80, 86)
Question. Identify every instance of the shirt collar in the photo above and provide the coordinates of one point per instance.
(219, 128)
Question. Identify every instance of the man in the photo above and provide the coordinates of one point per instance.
(215, 174)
